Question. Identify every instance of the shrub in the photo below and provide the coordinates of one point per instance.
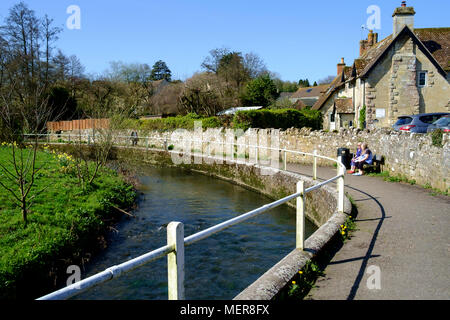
(277, 119)
(436, 138)
(170, 123)
(362, 117)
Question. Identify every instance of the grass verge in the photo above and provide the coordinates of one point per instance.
(65, 225)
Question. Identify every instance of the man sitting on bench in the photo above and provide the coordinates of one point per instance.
(365, 158)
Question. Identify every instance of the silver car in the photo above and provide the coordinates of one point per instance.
(443, 124)
(418, 123)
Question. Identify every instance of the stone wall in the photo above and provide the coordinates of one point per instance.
(406, 154)
(409, 155)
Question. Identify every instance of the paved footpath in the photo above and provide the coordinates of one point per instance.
(402, 230)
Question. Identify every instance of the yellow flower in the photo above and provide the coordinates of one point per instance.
(342, 232)
(293, 282)
(300, 272)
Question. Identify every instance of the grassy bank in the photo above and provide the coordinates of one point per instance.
(65, 223)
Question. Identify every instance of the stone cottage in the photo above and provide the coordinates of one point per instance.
(406, 73)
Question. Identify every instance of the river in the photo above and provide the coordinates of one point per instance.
(217, 268)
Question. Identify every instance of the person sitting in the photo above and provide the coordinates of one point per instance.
(353, 164)
(365, 158)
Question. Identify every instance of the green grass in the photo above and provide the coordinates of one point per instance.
(399, 178)
(63, 222)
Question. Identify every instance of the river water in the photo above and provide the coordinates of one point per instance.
(217, 268)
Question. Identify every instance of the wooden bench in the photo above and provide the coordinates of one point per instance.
(377, 162)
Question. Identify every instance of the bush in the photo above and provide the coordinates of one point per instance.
(170, 123)
(436, 138)
(362, 118)
(278, 119)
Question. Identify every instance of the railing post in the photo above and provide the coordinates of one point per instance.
(285, 160)
(175, 261)
(300, 229)
(340, 185)
(256, 149)
(165, 144)
(315, 165)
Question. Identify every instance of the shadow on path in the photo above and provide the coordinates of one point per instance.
(368, 255)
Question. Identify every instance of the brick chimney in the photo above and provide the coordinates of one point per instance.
(364, 45)
(403, 16)
(340, 66)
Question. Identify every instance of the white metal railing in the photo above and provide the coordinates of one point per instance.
(176, 242)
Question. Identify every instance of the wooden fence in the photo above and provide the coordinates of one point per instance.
(78, 125)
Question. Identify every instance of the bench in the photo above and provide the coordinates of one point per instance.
(377, 162)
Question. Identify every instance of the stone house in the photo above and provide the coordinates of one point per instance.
(406, 73)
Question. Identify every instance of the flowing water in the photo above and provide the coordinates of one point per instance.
(218, 267)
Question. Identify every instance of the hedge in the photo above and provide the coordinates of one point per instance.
(278, 119)
(170, 123)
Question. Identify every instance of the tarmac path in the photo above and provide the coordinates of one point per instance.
(400, 250)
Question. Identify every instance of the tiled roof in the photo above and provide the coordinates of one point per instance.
(437, 41)
(309, 92)
(344, 105)
(336, 83)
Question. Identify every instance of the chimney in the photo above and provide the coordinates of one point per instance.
(364, 45)
(340, 66)
(403, 16)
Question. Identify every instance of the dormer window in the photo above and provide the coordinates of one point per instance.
(423, 79)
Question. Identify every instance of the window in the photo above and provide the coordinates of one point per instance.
(422, 78)
(403, 120)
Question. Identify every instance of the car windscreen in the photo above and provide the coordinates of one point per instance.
(403, 120)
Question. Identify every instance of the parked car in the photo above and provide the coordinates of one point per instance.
(443, 124)
(418, 123)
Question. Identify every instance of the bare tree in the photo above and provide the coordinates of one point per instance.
(19, 173)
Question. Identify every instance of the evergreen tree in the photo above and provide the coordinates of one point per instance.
(304, 83)
(160, 71)
(260, 92)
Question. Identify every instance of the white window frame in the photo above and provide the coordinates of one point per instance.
(426, 79)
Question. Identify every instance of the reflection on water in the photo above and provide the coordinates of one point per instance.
(218, 267)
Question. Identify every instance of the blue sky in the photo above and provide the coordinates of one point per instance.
(296, 39)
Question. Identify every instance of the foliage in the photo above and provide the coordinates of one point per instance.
(260, 92)
(362, 117)
(284, 103)
(160, 71)
(286, 86)
(222, 60)
(170, 123)
(301, 283)
(65, 221)
(207, 94)
(304, 83)
(278, 119)
(437, 137)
